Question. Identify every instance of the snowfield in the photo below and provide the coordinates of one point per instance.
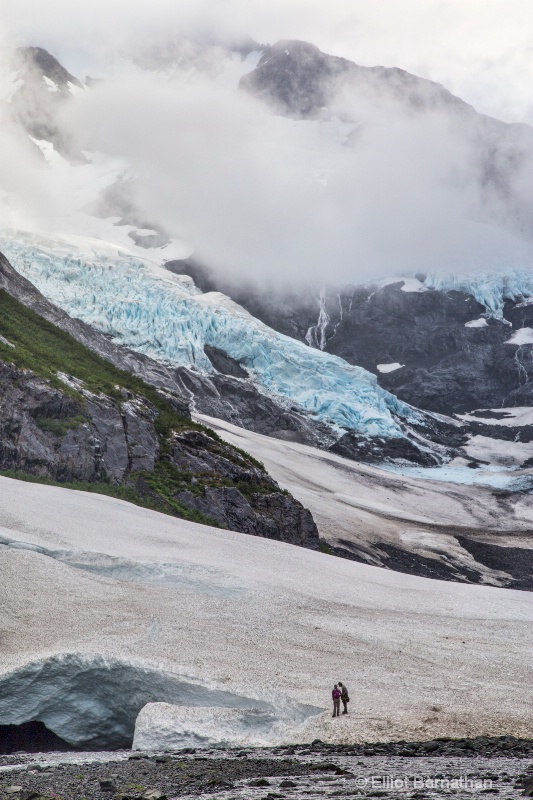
(423, 510)
(108, 607)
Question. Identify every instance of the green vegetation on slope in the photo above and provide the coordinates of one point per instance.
(46, 350)
(129, 493)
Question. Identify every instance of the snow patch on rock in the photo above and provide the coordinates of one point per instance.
(389, 367)
(74, 89)
(413, 285)
(514, 417)
(50, 84)
(500, 452)
(51, 155)
(521, 336)
(408, 283)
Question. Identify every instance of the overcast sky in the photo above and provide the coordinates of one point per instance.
(254, 192)
(481, 50)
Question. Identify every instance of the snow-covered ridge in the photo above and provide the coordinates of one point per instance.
(167, 318)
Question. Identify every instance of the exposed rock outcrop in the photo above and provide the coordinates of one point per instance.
(118, 434)
(299, 80)
(45, 86)
(221, 395)
(95, 438)
(442, 363)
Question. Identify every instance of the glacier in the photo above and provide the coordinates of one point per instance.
(94, 701)
(489, 289)
(91, 649)
(139, 304)
(166, 317)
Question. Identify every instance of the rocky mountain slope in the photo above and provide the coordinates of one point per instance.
(296, 79)
(364, 372)
(459, 347)
(41, 85)
(69, 416)
(290, 389)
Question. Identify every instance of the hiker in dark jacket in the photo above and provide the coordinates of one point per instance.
(344, 697)
(336, 697)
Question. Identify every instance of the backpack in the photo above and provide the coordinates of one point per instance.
(336, 694)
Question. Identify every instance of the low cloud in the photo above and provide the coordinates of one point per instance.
(262, 195)
(480, 49)
(256, 194)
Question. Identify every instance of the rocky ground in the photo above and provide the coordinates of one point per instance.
(462, 768)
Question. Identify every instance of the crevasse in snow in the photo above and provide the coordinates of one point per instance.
(168, 319)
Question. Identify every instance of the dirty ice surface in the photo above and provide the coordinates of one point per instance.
(422, 658)
(360, 506)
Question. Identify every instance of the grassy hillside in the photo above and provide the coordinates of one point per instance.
(46, 350)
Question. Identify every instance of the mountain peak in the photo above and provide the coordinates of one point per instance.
(299, 80)
(40, 60)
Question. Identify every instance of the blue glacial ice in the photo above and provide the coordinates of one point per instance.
(496, 477)
(491, 290)
(169, 319)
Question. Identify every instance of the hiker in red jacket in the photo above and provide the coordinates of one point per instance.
(336, 697)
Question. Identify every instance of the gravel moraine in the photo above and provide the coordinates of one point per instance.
(456, 768)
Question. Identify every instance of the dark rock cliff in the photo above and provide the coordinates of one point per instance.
(95, 427)
(447, 366)
(224, 395)
(103, 440)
